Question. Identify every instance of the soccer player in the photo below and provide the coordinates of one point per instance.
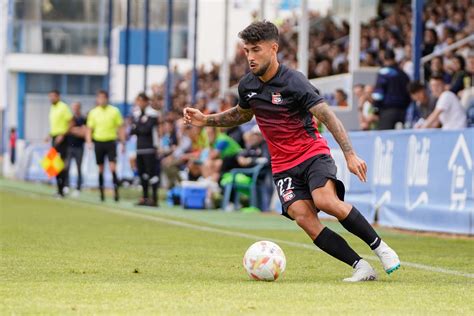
(104, 124)
(60, 121)
(145, 126)
(284, 103)
(76, 139)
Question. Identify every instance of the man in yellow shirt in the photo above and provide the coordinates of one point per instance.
(105, 125)
(60, 120)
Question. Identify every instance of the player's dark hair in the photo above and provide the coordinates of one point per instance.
(143, 96)
(259, 31)
(104, 93)
(55, 91)
(415, 86)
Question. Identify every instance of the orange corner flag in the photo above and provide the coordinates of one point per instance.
(52, 163)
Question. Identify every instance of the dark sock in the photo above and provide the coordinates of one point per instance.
(356, 223)
(333, 244)
(116, 186)
(144, 181)
(115, 179)
(59, 182)
(154, 191)
(101, 185)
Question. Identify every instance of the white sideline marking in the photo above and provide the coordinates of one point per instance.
(280, 241)
(125, 212)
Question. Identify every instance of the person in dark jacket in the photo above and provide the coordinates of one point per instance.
(145, 126)
(390, 95)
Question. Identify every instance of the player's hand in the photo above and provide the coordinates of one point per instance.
(357, 166)
(90, 145)
(194, 117)
(59, 139)
(122, 147)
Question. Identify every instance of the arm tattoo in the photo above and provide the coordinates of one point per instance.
(230, 118)
(322, 112)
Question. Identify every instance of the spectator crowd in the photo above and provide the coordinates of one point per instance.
(445, 99)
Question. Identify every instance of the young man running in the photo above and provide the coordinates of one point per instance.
(284, 103)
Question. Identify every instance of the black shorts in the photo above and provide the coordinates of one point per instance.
(298, 182)
(105, 149)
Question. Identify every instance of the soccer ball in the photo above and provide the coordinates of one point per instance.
(264, 261)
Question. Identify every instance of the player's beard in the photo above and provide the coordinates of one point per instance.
(262, 70)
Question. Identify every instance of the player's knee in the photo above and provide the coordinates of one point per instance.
(327, 204)
(303, 219)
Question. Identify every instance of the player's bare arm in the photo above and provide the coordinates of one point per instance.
(230, 118)
(355, 164)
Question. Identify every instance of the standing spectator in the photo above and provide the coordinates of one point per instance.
(390, 93)
(448, 111)
(145, 126)
(467, 94)
(75, 140)
(60, 117)
(422, 106)
(12, 139)
(104, 124)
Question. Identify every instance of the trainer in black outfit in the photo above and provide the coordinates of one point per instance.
(76, 139)
(144, 125)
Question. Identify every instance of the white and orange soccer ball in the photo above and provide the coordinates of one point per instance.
(264, 261)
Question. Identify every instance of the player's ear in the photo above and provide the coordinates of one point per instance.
(275, 47)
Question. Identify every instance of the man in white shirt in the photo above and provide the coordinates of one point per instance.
(448, 110)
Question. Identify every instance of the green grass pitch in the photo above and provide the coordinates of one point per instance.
(77, 256)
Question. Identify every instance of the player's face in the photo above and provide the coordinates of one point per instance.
(259, 56)
(419, 97)
(101, 99)
(436, 87)
(53, 97)
(76, 108)
(142, 104)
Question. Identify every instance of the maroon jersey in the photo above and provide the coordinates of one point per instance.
(281, 106)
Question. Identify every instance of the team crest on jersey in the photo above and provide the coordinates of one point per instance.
(276, 98)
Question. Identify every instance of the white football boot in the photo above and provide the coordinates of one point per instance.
(388, 257)
(363, 271)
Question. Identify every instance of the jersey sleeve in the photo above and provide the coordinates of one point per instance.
(118, 118)
(67, 114)
(444, 101)
(242, 101)
(306, 94)
(90, 122)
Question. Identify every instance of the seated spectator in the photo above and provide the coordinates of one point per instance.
(222, 155)
(341, 98)
(367, 117)
(436, 68)
(458, 66)
(256, 153)
(448, 110)
(422, 106)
